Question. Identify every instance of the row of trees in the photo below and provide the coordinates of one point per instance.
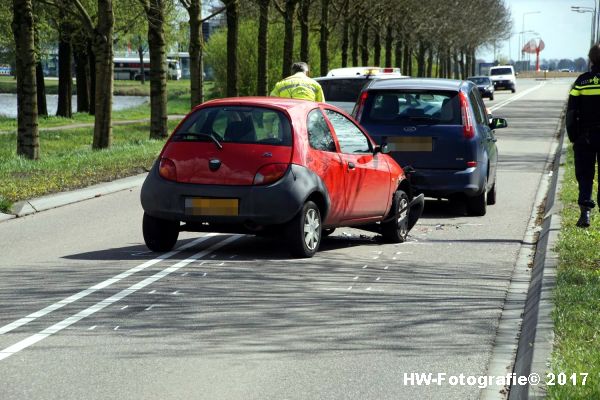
(424, 38)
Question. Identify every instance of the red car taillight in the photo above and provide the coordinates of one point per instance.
(361, 105)
(167, 169)
(270, 173)
(468, 128)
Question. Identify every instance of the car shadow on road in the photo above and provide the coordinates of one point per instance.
(248, 246)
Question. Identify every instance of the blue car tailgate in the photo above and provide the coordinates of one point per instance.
(426, 146)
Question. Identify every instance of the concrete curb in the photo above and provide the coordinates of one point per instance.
(537, 331)
(544, 335)
(514, 322)
(43, 203)
(6, 217)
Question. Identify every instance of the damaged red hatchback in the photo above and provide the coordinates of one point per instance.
(267, 165)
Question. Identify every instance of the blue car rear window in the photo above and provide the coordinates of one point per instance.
(412, 106)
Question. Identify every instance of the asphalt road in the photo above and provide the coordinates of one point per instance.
(88, 313)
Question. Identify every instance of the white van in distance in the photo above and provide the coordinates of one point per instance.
(503, 77)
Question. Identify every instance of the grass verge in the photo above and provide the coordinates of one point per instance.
(68, 162)
(577, 299)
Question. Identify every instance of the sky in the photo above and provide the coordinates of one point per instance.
(566, 33)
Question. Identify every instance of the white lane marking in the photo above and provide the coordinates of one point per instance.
(175, 292)
(116, 328)
(378, 278)
(150, 308)
(350, 288)
(386, 267)
(124, 307)
(77, 296)
(152, 292)
(517, 97)
(355, 278)
(394, 258)
(91, 328)
(51, 330)
(375, 258)
(184, 274)
(365, 266)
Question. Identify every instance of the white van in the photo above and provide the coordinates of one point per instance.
(503, 77)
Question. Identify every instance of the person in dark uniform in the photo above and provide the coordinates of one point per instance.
(583, 129)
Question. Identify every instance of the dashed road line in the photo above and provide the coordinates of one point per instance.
(104, 284)
(33, 339)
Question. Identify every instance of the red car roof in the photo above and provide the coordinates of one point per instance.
(277, 102)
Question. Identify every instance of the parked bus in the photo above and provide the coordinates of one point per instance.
(131, 68)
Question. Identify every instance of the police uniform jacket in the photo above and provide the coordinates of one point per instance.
(583, 109)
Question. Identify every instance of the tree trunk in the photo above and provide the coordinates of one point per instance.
(345, 40)
(389, 43)
(304, 31)
(288, 40)
(158, 69)
(468, 64)
(430, 58)
(364, 46)
(377, 48)
(262, 79)
(407, 58)
(92, 77)
(324, 42)
(195, 50)
(65, 61)
(28, 141)
(81, 78)
(232, 43)
(355, 36)
(41, 90)
(398, 54)
(421, 59)
(103, 49)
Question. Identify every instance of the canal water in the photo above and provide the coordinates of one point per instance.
(8, 103)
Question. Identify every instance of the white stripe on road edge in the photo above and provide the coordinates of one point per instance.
(53, 307)
(31, 340)
(517, 97)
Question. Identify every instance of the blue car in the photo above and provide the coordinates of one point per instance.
(440, 129)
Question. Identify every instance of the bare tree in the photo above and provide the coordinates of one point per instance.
(233, 23)
(287, 12)
(28, 142)
(155, 13)
(262, 78)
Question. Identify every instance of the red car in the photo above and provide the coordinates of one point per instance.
(267, 165)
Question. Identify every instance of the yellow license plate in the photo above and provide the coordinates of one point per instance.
(410, 143)
(211, 207)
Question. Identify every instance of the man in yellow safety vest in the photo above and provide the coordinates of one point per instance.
(299, 85)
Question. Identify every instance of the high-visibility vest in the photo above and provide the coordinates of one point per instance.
(299, 86)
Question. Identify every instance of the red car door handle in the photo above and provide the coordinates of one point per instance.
(351, 165)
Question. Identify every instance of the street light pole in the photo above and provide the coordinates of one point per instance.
(595, 26)
(521, 41)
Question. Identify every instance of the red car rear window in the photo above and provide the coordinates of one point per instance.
(236, 124)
